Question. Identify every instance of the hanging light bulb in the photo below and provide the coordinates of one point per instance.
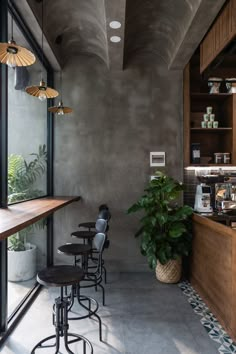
(42, 96)
(60, 109)
(15, 55)
(42, 91)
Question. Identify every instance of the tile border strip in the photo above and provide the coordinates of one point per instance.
(208, 320)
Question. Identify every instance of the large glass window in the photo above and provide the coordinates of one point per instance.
(27, 130)
(27, 254)
(27, 173)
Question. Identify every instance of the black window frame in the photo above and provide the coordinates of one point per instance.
(7, 6)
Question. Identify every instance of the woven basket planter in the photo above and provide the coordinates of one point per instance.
(169, 272)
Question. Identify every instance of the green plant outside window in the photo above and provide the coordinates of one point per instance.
(22, 180)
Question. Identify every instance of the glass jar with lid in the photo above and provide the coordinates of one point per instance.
(218, 157)
(226, 157)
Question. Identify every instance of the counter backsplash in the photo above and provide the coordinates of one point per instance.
(190, 181)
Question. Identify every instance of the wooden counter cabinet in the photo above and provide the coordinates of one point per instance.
(213, 269)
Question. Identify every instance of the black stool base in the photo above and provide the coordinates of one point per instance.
(60, 322)
(77, 337)
(92, 310)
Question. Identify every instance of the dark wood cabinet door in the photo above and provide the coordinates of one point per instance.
(223, 29)
(207, 50)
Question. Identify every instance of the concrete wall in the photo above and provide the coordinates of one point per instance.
(102, 149)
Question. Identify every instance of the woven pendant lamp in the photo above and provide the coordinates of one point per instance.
(15, 55)
(60, 109)
(42, 91)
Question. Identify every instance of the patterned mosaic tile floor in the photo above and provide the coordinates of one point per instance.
(208, 320)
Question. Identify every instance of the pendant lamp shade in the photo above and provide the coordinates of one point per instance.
(60, 109)
(15, 55)
(41, 91)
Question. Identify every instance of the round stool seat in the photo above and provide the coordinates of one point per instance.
(74, 249)
(88, 225)
(89, 235)
(61, 275)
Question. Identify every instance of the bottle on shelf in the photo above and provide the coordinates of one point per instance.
(195, 153)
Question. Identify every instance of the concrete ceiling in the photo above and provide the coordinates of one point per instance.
(167, 30)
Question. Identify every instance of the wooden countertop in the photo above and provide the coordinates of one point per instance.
(213, 224)
(16, 217)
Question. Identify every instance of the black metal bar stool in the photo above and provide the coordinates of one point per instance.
(88, 236)
(80, 252)
(61, 276)
(93, 276)
(104, 213)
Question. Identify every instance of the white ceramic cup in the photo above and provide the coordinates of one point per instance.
(209, 124)
(206, 117)
(204, 124)
(215, 124)
(212, 117)
(209, 110)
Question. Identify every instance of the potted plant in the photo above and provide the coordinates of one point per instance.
(22, 179)
(165, 227)
(21, 258)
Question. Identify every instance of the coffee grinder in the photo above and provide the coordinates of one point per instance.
(203, 199)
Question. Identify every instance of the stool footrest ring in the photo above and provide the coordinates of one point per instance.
(91, 311)
(76, 337)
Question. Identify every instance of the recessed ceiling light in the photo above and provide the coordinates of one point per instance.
(115, 39)
(115, 24)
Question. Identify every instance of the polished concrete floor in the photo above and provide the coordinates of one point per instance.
(17, 291)
(141, 316)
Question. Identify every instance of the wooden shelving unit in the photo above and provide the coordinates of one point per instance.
(196, 99)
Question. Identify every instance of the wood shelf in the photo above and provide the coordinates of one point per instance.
(210, 165)
(18, 216)
(210, 96)
(210, 130)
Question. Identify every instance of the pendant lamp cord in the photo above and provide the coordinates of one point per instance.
(11, 28)
(42, 43)
(61, 84)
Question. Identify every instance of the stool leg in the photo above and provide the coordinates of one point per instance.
(57, 325)
(65, 325)
(103, 294)
(91, 313)
(105, 274)
(72, 296)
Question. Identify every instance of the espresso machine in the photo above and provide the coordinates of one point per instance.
(225, 196)
(203, 199)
